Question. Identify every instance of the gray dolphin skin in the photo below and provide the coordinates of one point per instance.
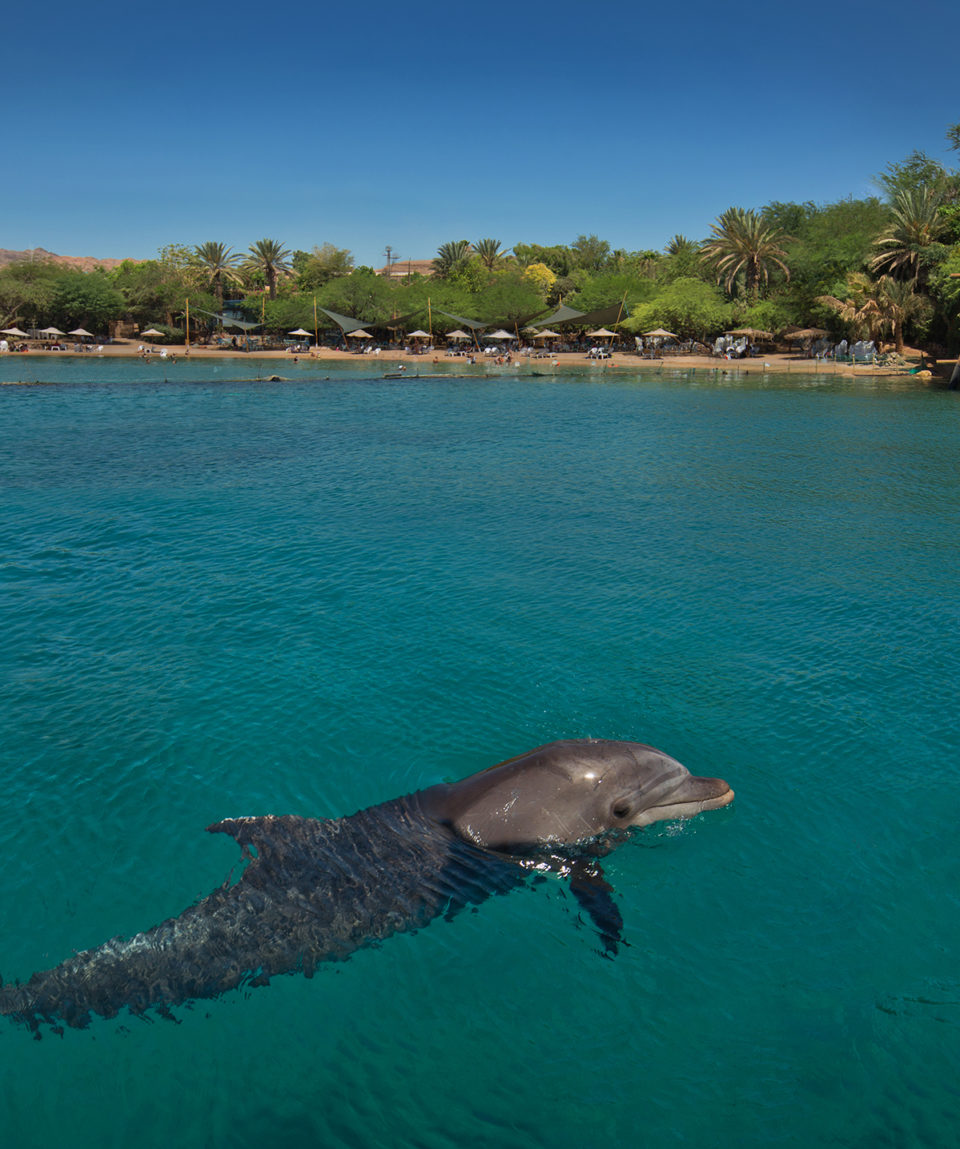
(315, 891)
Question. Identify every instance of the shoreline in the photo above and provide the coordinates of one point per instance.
(781, 362)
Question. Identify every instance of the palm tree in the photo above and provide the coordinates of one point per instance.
(874, 307)
(898, 302)
(742, 242)
(916, 224)
(219, 263)
(271, 259)
(489, 252)
(451, 257)
(860, 311)
(680, 245)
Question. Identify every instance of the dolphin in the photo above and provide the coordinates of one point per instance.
(315, 890)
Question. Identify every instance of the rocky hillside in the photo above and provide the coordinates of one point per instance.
(39, 254)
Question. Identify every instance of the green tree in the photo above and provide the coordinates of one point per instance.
(84, 299)
(219, 264)
(680, 260)
(510, 299)
(321, 265)
(899, 303)
(558, 258)
(489, 252)
(857, 308)
(915, 227)
(689, 307)
(590, 253)
(744, 244)
(451, 257)
(362, 295)
(271, 260)
(608, 288)
(27, 289)
(917, 171)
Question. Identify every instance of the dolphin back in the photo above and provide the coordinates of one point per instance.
(313, 891)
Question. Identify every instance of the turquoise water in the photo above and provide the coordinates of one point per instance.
(227, 597)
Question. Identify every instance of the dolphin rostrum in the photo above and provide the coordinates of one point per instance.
(316, 890)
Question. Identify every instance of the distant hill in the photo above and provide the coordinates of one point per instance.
(39, 255)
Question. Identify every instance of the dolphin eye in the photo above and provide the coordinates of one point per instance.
(621, 809)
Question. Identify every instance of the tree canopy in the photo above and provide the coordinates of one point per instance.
(883, 265)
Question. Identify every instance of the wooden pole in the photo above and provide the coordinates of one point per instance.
(188, 324)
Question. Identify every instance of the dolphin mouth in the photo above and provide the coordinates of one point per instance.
(692, 797)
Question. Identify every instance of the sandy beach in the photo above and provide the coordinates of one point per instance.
(423, 363)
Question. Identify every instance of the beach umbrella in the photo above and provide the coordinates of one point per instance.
(82, 331)
(359, 334)
(299, 331)
(52, 331)
(603, 333)
(660, 334)
(458, 334)
(15, 331)
(151, 331)
(418, 334)
(501, 334)
(548, 334)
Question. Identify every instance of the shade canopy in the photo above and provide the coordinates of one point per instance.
(612, 313)
(52, 331)
(14, 331)
(224, 320)
(563, 314)
(346, 323)
(473, 324)
(751, 333)
(659, 333)
(82, 331)
(807, 333)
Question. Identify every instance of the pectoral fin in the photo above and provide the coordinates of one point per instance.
(595, 895)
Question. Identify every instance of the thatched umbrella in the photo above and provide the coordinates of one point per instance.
(548, 334)
(806, 333)
(751, 333)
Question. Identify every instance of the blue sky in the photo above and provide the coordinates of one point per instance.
(410, 125)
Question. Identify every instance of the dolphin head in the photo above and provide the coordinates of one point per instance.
(567, 793)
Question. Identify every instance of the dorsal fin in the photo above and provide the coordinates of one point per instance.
(272, 832)
(246, 831)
